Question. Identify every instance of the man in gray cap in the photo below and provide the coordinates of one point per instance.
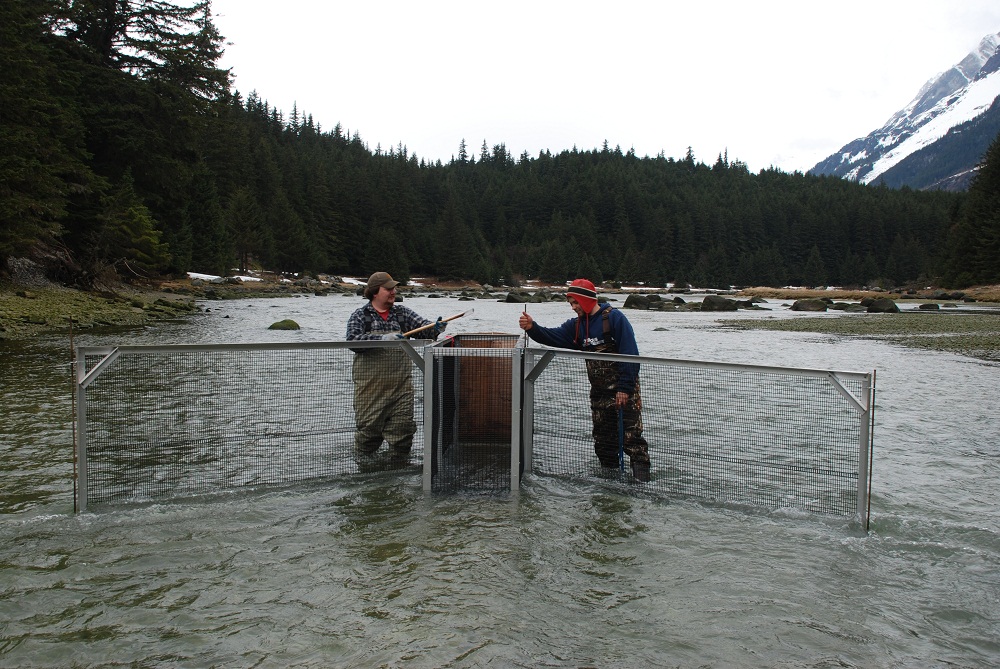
(383, 377)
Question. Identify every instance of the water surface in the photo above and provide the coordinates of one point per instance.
(371, 572)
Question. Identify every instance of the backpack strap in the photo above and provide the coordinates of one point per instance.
(609, 337)
(610, 345)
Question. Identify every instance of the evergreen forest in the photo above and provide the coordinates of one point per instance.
(124, 149)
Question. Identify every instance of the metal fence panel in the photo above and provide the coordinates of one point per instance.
(765, 437)
(182, 420)
(174, 421)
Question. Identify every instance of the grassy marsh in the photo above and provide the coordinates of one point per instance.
(973, 335)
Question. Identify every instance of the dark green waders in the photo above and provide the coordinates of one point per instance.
(383, 402)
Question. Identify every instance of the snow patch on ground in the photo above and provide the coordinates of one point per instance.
(213, 277)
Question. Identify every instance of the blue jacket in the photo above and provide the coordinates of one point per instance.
(587, 334)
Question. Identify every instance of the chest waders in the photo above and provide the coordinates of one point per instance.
(383, 399)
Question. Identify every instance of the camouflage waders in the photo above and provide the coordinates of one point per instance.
(383, 401)
(603, 388)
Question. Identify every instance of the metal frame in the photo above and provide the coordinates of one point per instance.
(516, 418)
(537, 359)
(433, 450)
(527, 365)
(430, 380)
(112, 353)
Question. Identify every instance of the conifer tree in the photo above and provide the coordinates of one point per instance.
(245, 227)
(554, 265)
(129, 236)
(814, 271)
(210, 250)
(975, 240)
(850, 273)
(150, 39)
(42, 156)
(385, 253)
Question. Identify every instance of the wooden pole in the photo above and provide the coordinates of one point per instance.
(430, 325)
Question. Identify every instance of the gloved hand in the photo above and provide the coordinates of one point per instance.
(392, 336)
(439, 326)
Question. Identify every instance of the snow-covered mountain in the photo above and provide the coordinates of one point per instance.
(948, 125)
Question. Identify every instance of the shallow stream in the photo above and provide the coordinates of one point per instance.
(371, 572)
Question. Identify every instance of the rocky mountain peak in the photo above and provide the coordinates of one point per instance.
(955, 98)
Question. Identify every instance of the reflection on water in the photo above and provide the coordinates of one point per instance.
(371, 572)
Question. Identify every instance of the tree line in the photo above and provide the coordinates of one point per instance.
(125, 150)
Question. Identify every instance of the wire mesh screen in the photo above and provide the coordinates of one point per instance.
(191, 420)
(175, 422)
(773, 439)
(471, 439)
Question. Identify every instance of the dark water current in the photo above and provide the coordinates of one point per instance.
(372, 572)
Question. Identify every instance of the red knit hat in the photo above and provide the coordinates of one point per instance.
(583, 292)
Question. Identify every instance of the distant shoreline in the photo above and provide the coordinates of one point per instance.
(989, 294)
(29, 311)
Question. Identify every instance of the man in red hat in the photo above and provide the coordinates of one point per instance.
(383, 377)
(614, 386)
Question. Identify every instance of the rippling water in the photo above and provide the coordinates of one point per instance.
(371, 572)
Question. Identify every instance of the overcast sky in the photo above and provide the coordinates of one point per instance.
(773, 82)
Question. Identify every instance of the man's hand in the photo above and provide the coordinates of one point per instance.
(439, 326)
(525, 321)
(621, 399)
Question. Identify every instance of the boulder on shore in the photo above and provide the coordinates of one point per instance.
(524, 297)
(883, 305)
(636, 301)
(287, 324)
(717, 303)
(809, 304)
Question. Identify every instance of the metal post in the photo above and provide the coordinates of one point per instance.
(517, 364)
(81, 433)
(527, 423)
(429, 399)
(863, 441)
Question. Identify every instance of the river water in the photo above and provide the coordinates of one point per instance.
(371, 572)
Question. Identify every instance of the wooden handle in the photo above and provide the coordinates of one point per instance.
(430, 325)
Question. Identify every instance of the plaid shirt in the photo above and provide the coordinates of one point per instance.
(366, 323)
